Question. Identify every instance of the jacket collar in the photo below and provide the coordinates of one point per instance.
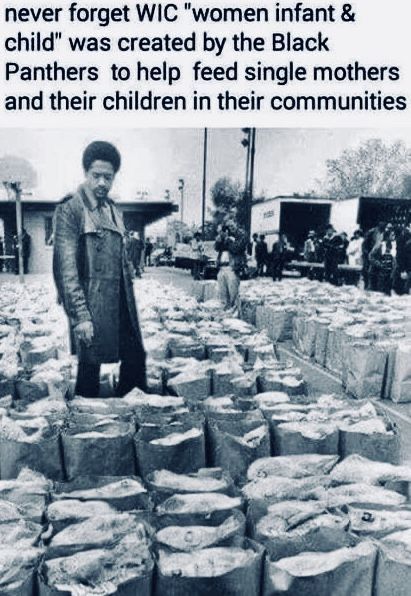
(91, 203)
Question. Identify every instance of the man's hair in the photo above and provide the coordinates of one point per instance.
(101, 151)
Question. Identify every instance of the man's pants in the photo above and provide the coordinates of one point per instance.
(228, 285)
(132, 362)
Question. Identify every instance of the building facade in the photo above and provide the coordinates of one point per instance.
(38, 223)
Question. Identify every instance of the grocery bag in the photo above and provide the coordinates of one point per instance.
(384, 447)
(105, 450)
(339, 572)
(232, 571)
(298, 438)
(179, 448)
(234, 445)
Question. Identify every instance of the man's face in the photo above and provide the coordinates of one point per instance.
(100, 178)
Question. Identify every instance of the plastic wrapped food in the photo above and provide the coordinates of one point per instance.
(274, 489)
(292, 466)
(71, 511)
(164, 483)
(339, 572)
(95, 532)
(33, 443)
(197, 509)
(190, 538)
(286, 536)
(377, 523)
(358, 493)
(17, 569)
(125, 568)
(125, 493)
(356, 468)
(219, 570)
(28, 492)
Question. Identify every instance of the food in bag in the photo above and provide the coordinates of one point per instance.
(286, 536)
(71, 511)
(376, 523)
(124, 494)
(219, 570)
(274, 488)
(294, 438)
(17, 570)
(188, 538)
(125, 568)
(32, 443)
(164, 483)
(292, 466)
(356, 468)
(95, 532)
(104, 447)
(348, 570)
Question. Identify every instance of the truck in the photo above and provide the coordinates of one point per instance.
(296, 215)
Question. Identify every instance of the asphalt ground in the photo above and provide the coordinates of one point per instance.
(319, 380)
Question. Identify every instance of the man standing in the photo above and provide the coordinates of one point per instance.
(261, 254)
(372, 238)
(93, 277)
(278, 257)
(333, 250)
(231, 245)
(148, 252)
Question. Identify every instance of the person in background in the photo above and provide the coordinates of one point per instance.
(371, 239)
(261, 254)
(354, 251)
(197, 247)
(403, 273)
(383, 262)
(279, 257)
(231, 246)
(134, 252)
(252, 246)
(148, 251)
(343, 248)
(309, 247)
(333, 249)
(93, 278)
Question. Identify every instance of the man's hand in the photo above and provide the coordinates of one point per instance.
(85, 332)
(404, 275)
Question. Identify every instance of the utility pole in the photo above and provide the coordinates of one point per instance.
(251, 189)
(203, 203)
(249, 142)
(181, 189)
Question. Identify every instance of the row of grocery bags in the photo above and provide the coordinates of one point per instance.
(301, 524)
(303, 493)
(142, 432)
(363, 337)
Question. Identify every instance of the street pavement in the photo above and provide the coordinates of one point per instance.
(319, 380)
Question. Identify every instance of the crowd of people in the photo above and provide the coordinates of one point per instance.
(382, 255)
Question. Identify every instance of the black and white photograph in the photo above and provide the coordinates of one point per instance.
(205, 361)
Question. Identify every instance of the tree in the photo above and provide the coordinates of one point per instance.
(372, 169)
(17, 171)
(228, 202)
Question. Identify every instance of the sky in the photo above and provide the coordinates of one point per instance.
(286, 161)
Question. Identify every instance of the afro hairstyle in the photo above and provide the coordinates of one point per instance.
(101, 151)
